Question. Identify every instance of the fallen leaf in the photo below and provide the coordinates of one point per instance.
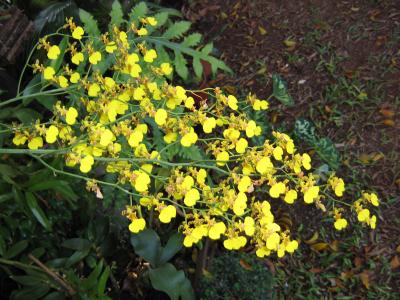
(315, 270)
(365, 279)
(355, 9)
(395, 262)
(387, 113)
(245, 265)
(313, 239)
(347, 275)
(388, 122)
(290, 44)
(320, 246)
(262, 30)
(358, 261)
(334, 245)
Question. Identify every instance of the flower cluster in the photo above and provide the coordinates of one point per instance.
(125, 119)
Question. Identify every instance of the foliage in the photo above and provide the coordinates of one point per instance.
(237, 276)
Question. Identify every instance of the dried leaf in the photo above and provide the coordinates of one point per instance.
(316, 270)
(388, 113)
(313, 239)
(365, 279)
(395, 262)
(262, 30)
(398, 247)
(388, 122)
(334, 245)
(320, 246)
(245, 265)
(358, 261)
(290, 44)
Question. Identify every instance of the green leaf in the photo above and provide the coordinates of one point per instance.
(172, 247)
(27, 280)
(304, 130)
(37, 211)
(77, 244)
(176, 30)
(198, 67)
(16, 249)
(328, 152)
(147, 244)
(61, 186)
(90, 24)
(192, 40)
(54, 15)
(76, 257)
(137, 12)
(26, 115)
(55, 296)
(31, 293)
(206, 50)
(161, 18)
(191, 153)
(101, 286)
(171, 281)
(280, 90)
(116, 14)
(180, 65)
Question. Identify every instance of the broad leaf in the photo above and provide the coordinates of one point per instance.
(176, 30)
(280, 90)
(147, 244)
(116, 14)
(37, 210)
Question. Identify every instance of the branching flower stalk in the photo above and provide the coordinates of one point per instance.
(118, 111)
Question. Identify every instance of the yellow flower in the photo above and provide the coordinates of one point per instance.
(150, 56)
(95, 57)
(170, 137)
(264, 166)
(222, 158)
(232, 102)
(167, 214)
(142, 182)
(273, 241)
(48, 73)
(235, 243)
(53, 52)
(292, 246)
(290, 147)
(189, 102)
(166, 69)
(74, 77)
(78, 33)
(191, 197)
(201, 176)
(106, 137)
(372, 222)
(311, 194)
(86, 163)
(374, 199)
(244, 184)
(152, 21)
(240, 204)
(277, 189)
(277, 153)
(161, 116)
(208, 125)
(306, 161)
(62, 81)
(35, 143)
(290, 196)
(123, 37)
(137, 225)
(340, 224)
(94, 90)
(249, 226)
(260, 105)
(363, 215)
(19, 139)
(251, 128)
(142, 31)
(189, 138)
(77, 58)
(51, 134)
(216, 230)
(241, 146)
(71, 116)
(135, 138)
(111, 47)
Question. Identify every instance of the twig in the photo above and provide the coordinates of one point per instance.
(53, 275)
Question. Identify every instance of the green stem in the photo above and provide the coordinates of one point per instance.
(18, 264)
(50, 92)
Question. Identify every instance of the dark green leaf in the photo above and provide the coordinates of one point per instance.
(77, 244)
(76, 257)
(171, 281)
(55, 296)
(101, 286)
(37, 211)
(26, 115)
(27, 280)
(16, 249)
(180, 65)
(304, 130)
(172, 247)
(31, 293)
(328, 152)
(280, 90)
(147, 244)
